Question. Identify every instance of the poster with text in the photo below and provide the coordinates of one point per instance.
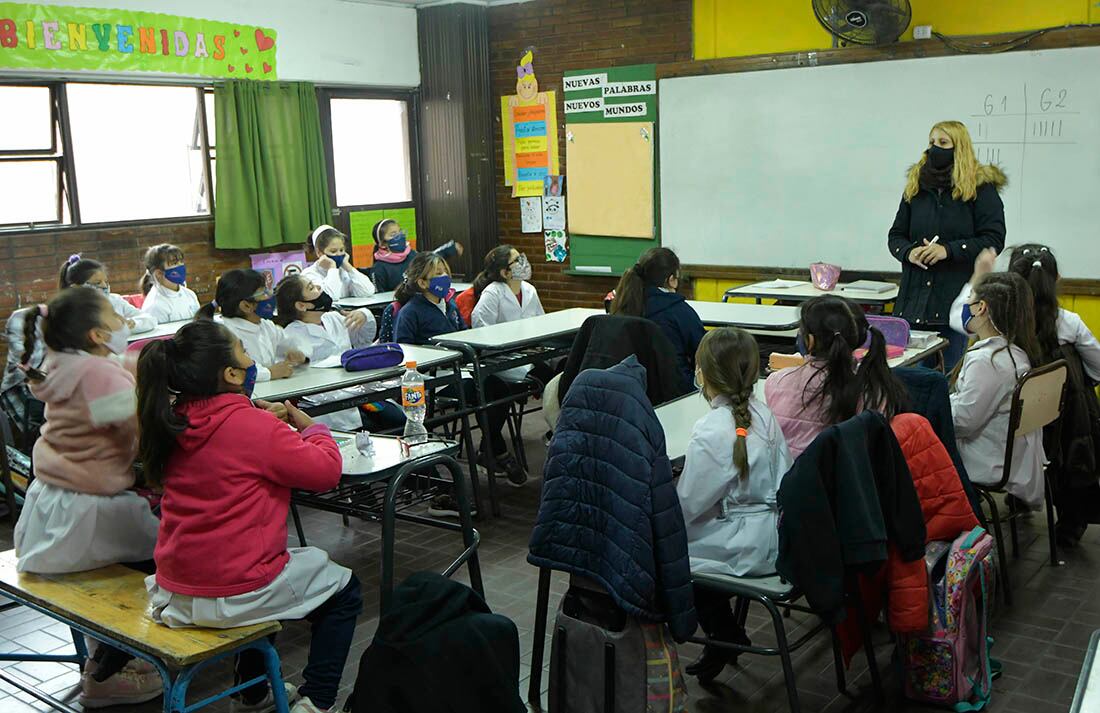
(529, 125)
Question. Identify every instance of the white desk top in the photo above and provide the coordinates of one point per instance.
(765, 318)
(161, 330)
(806, 290)
(387, 453)
(914, 356)
(380, 299)
(307, 380)
(1086, 698)
(678, 418)
(521, 331)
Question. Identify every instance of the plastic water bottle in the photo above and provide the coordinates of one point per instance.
(415, 404)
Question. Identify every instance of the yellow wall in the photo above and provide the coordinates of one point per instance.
(734, 28)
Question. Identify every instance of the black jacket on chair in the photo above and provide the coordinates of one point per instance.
(439, 649)
(605, 340)
(847, 496)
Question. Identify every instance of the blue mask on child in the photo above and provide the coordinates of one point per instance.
(338, 259)
(440, 285)
(800, 344)
(967, 316)
(176, 275)
(397, 243)
(249, 380)
(265, 309)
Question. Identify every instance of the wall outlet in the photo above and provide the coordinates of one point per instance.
(922, 32)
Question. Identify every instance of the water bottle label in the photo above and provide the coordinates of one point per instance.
(412, 396)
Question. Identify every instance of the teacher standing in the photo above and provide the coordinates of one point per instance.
(950, 211)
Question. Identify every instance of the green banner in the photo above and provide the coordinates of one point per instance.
(611, 94)
(61, 38)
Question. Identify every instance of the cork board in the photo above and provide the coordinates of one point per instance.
(610, 179)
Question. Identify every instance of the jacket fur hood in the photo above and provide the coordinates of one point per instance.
(987, 173)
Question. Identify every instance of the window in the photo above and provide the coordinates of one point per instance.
(32, 169)
(370, 151)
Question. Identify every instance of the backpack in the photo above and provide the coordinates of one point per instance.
(950, 663)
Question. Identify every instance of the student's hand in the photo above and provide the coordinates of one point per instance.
(348, 265)
(354, 320)
(933, 253)
(297, 418)
(326, 263)
(131, 323)
(281, 370)
(277, 410)
(459, 249)
(983, 265)
(295, 357)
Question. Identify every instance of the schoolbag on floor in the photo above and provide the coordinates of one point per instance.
(603, 660)
(950, 664)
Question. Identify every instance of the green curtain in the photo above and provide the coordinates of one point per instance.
(272, 182)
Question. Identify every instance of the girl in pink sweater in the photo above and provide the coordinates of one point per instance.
(79, 512)
(222, 557)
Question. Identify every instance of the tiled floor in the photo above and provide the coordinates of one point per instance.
(1041, 639)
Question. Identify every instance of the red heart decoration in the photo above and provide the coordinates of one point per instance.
(236, 33)
(248, 68)
(263, 42)
(231, 68)
(267, 68)
(244, 51)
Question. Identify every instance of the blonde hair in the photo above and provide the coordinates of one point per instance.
(964, 176)
(730, 363)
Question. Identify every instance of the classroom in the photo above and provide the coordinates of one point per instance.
(578, 356)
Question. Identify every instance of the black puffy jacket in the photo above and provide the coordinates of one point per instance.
(965, 228)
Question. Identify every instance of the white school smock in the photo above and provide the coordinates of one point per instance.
(731, 521)
(340, 282)
(499, 304)
(168, 306)
(265, 342)
(329, 339)
(980, 406)
(1070, 327)
(143, 321)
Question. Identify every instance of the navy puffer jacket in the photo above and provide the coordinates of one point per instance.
(609, 509)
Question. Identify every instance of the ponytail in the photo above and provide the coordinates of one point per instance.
(76, 271)
(878, 385)
(160, 424)
(653, 269)
(742, 420)
(1037, 265)
(729, 360)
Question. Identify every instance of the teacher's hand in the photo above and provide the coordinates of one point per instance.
(933, 253)
(915, 256)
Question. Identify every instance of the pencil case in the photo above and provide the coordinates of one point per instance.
(376, 356)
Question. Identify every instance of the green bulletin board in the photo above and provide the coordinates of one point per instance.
(611, 95)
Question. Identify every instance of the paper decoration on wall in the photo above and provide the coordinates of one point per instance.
(529, 124)
(556, 248)
(611, 179)
(530, 214)
(362, 221)
(553, 212)
(276, 266)
(553, 186)
(60, 38)
(614, 94)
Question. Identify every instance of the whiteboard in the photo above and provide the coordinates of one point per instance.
(792, 166)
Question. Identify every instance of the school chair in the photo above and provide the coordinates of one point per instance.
(1036, 403)
(9, 457)
(136, 300)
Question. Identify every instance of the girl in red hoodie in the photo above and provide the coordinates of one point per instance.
(222, 559)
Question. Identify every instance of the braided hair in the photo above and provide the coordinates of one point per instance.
(729, 362)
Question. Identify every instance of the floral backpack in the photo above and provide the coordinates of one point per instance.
(950, 663)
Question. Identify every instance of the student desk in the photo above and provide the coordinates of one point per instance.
(755, 318)
(678, 418)
(380, 299)
(499, 347)
(800, 293)
(161, 330)
(370, 487)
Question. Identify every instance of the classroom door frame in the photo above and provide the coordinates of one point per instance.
(342, 214)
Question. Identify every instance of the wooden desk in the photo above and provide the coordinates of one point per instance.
(755, 318)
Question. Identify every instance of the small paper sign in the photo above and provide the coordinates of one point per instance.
(576, 106)
(556, 248)
(530, 214)
(553, 212)
(629, 89)
(581, 82)
(618, 111)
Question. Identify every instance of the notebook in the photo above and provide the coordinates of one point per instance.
(868, 286)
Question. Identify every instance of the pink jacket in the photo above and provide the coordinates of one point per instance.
(89, 440)
(788, 393)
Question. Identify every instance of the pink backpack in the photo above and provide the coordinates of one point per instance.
(950, 663)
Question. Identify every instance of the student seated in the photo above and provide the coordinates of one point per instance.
(831, 386)
(247, 307)
(735, 461)
(195, 414)
(427, 313)
(1000, 312)
(648, 289)
(393, 254)
(334, 272)
(167, 297)
(80, 512)
(81, 271)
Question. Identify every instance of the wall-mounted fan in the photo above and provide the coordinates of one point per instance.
(864, 22)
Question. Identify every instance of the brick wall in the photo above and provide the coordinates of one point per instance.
(29, 263)
(573, 34)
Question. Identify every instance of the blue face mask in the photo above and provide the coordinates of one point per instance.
(338, 259)
(800, 344)
(249, 380)
(176, 275)
(967, 315)
(265, 309)
(397, 243)
(440, 285)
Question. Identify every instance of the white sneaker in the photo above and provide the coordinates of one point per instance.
(304, 705)
(124, 688)
(267, 704)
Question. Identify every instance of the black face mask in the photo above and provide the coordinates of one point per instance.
(940, 158)
(323, 303)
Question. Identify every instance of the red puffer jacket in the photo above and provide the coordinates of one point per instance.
(947, 513)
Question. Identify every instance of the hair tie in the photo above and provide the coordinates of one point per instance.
(74, 258)
(637, 269)
(1038, 264)
(742, 432)
(43, 311)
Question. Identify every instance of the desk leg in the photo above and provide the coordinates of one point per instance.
(297, 523)
(483, 424)
(468, 442)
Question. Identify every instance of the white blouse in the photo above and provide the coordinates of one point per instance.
(143, 321)
(499, 304)
(168, 306)
(732, 520)
(980, 407)
(265, 342)
(340, 282)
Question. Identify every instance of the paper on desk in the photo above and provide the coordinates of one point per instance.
(331, 363)
(780, 284)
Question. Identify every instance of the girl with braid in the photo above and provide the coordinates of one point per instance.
(734, 463)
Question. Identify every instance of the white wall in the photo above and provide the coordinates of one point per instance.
(321, 41)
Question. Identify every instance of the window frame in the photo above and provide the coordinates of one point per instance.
(67, 177)
(411, 97)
